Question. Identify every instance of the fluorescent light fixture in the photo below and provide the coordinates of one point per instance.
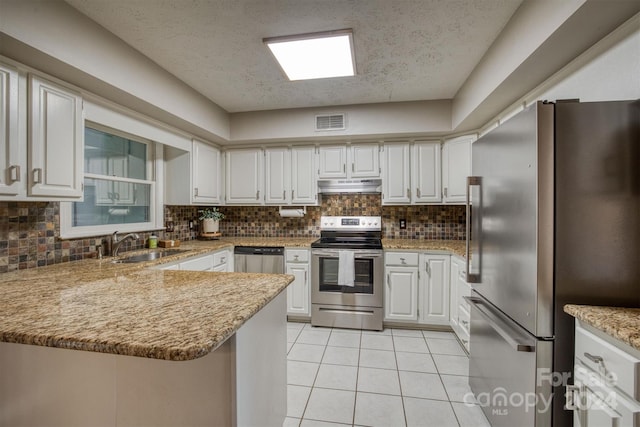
(314, 55)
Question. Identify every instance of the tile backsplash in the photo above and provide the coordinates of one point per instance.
(29, 230)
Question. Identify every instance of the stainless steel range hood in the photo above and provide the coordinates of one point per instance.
(333, 186)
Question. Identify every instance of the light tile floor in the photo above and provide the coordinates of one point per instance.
(393, 378)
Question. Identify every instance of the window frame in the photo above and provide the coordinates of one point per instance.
(154, 173)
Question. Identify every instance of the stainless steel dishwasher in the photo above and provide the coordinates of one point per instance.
(258, 259)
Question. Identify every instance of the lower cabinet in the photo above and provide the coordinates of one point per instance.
(459, 308)
(220, 260)
(417, 288)
(298, 292)
(606, 384)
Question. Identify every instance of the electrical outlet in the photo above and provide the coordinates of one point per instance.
(170, 227)
(403, 224)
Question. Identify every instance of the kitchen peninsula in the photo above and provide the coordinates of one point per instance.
(97, 343)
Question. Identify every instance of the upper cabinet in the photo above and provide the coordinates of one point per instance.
(277, 176)
(244, 176)
(352, 161)
(425, 176)
(456, 167)
(396, 177)
(304, 187)
(41, 138)
(193, 178)
(12, 180)
(206, 174)
(56, 137)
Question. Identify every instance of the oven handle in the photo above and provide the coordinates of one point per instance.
(357, 254)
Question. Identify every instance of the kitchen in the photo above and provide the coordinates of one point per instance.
(117, 84)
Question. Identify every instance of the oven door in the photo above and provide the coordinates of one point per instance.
(367, 289)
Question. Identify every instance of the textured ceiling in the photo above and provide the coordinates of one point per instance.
(405, 50)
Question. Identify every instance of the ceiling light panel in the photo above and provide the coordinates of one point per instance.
(314, 56)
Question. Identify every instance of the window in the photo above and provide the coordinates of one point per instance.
(119, 186)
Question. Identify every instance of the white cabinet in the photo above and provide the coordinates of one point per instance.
(365, 161)
(401, 291)
(56, 137)
(396, 184)
(223, 261)
(193, 178)
(434, 289)
(198, 263)
(298, 292)
(12, 181)
(206, 174)
(606, 389)
(244, 176)
(425, 176)
(458, 307)
(49, 164)
(352, 161)
(220, 260)
(277, 176)
(304, 187)
(332, 162)
(456, 167)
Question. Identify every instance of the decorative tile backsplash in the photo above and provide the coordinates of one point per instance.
(29, 230)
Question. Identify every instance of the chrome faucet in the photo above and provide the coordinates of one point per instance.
(115, 242)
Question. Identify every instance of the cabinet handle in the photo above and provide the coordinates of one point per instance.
(418, 193)
(223, 260)
(305, 277)
(284, 194)
(295, 257)
(402, 261)
(388, 280)
(464, 322)
(344, 168)
(408, 193)
(427, 268)
(196, 191)
(292, 193)
(594, 359)
(353, 167)
(37, 176)
(445, 191)
(14, 173)
(258, 195)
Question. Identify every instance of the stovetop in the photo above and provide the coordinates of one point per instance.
(350, 232)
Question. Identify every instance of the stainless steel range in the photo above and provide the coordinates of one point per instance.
(347, 266)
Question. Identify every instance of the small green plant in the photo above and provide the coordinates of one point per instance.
(210, 213)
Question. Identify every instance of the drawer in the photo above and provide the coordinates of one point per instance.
(203, 263)
(464, 290)
(607, 359)
(220, 258)
(296, 255)
(401, 258)
(464, 318)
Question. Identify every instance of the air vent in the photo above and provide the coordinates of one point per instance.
(330, 122)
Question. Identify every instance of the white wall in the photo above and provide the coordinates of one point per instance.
(371, 120)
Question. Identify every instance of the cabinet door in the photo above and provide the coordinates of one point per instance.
(365, 161)
(298, 291)
(244, 176)
(456, 167)
(203, 263)
(11, 181)
(304, 187)
(56, 138)
(333, 162)
(277, 176)
(401, 296)
(426, 172)
(206, 171)
(453, 294)
(434, 289)
(395, 174)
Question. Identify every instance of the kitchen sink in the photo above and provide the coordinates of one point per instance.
(149, 256)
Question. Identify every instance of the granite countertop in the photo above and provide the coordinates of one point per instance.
(456, 247)
(129, 309)
(619, 322)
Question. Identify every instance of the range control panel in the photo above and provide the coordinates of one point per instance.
(351, 223)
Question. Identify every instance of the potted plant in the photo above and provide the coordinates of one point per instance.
(210, 218)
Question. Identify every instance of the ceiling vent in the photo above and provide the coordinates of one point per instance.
(330, 122)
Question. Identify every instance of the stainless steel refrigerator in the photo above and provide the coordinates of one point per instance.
(555, 219)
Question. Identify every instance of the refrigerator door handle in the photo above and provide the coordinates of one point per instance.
(472, 277)
(498, 325)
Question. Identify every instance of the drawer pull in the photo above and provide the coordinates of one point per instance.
(594, 359)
